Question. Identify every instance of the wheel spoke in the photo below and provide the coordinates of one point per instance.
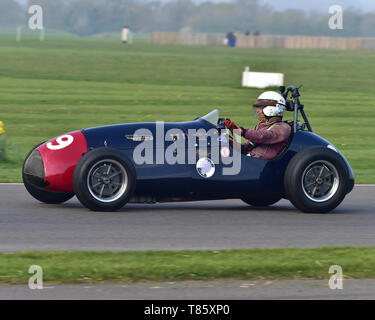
(101, 190)
(328, 175)
(321, 171)
(313, 193)
(114, 175)
(112, 190)
(97, 184)
(309, 184)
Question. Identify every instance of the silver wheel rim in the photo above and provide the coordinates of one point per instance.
(320, 181)
(107, 180)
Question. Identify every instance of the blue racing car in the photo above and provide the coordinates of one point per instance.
(107, 167)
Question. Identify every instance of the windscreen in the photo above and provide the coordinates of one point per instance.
(212, 117)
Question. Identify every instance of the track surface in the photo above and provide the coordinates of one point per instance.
(198, 290)
(26, 224)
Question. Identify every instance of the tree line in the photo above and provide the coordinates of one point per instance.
(89, 17)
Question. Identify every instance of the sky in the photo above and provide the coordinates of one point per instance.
(321, 5)
(317, 5)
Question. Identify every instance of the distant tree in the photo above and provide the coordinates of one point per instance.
(367, 28)
(173, 15)
(88, 17)
(211, 17)
(11, 13)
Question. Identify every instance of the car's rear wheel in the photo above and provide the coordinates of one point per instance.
(316, 180)
(31, 177)
(262, 201)
(104, 180)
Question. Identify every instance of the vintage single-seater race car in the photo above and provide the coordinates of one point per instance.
(100, 166)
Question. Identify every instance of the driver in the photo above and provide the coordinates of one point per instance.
(270, 135)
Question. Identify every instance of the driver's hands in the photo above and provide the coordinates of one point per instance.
(232, 126)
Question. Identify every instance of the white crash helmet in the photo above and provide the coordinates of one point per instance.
(272, 103)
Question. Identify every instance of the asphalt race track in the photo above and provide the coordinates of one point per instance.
(26, 224)
(363, 289)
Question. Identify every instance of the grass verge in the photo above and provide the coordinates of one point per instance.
(69, 83)
(256, 264)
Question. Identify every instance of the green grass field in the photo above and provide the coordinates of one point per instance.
(63, 84)
(256, 264)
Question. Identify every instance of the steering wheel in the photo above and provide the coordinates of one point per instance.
(221, 126)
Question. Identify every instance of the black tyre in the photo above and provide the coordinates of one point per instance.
(262, 201)
(316, 180)
(37, 192)
(104, 179)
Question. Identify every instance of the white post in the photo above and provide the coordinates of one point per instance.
(18, 36)
(42, 34)
(125, 34)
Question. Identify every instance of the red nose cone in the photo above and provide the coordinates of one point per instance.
(60, 157)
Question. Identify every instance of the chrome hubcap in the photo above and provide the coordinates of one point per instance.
(320, 181)
(107, 180)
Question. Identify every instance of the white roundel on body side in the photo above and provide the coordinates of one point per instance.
(62, 142)
(205, 167)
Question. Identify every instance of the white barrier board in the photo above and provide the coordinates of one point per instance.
(262, 79)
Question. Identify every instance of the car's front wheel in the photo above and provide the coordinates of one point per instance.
(104, 180)
(316, 180)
